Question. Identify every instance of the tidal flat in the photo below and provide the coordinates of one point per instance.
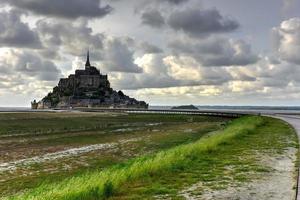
(145, 156)
(47, 147)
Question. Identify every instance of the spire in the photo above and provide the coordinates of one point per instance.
(87, 64)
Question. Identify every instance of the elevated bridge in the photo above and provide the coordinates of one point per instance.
(221, 113)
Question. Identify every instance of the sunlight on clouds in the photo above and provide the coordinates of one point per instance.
(77, 63)
(146, 63)
(243, 86)
(178, 91)
(152, 64)
(183, 69)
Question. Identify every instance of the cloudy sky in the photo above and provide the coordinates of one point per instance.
(166, 52)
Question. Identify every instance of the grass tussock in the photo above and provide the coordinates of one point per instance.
(103, 184)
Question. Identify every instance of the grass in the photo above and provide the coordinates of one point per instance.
(57, 123)
(167, 133)
(234, 163)
(105, 183)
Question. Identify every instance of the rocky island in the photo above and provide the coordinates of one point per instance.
(185, 107)
(86, 88)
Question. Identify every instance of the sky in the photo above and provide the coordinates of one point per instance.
(165, 52)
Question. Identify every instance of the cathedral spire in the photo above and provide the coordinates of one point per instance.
(87, 64)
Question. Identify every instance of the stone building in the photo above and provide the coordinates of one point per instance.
(87, 88)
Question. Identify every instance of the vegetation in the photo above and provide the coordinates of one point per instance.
(234, 163)
(155, 157)
(102, 184)
(26, 135)
(50, 123)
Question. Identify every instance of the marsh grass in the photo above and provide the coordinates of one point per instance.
(153, 139)
(236, 163)
(35, 124)
(103, 184)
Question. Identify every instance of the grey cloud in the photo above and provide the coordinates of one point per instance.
(61, 8)
(145, 81)
(164, 81)
(119, 57)
(286, 40)
(73, 38)
(214, 76)
(153, 18)
(11, 81)
(157, 3)
(198, 23)
(240, 75)
(115, 54)
(268, 75)
(216, 51)
(277, 75)
(15, 33)
(176, 1)
(30, 64)
(50, 53)
(157, 75)
(149, 48)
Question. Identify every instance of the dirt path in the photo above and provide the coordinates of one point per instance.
(276, 185)
(293, 120)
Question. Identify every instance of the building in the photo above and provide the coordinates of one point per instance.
(87, 88)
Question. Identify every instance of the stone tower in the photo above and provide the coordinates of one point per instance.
(88, 64)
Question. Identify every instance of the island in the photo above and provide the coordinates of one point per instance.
(185, 107)
(86, 88)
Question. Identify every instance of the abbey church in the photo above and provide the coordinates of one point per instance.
(86, 88)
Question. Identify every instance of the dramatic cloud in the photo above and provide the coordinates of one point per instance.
(197, 92)
(74, 38)
(193, 55)
(153, 18)
(155, 75)
(184, 68)
(113, 53)
(161, 71)
(215, 51)
(286, 40)
(58, 8)
(28, 64)
(262, 80)
(119, 57)
(198, 23)
(15, 33)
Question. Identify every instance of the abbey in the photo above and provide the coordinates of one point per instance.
(86, 88)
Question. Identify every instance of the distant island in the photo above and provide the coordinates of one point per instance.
(185, 107)
(86, 88)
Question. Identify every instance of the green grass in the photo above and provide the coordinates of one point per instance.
(103, 184)
(167, 134)
(234, 163)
